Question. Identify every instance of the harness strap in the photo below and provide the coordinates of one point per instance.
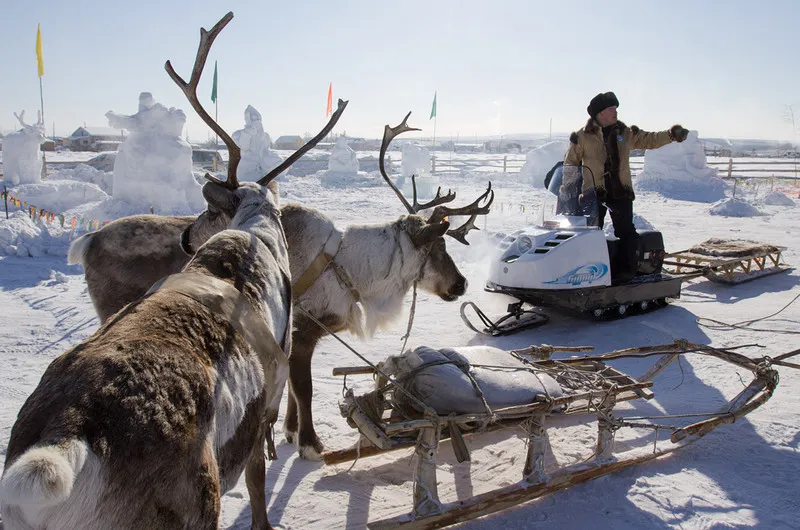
(229, 303)
(318, 266)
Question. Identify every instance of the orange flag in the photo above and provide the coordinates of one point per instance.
(330, 100)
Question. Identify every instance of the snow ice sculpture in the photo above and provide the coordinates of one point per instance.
(22, 153)
(343, 159)
(417, 161)
(777, 198)
(734, 207)
(679, 170)
(257, 157)
(153, 168)
(539, 160)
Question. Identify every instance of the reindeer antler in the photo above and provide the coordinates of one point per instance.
(439, 199)
(190, 91)
(389, 134)
(266, 179)
(473, 210)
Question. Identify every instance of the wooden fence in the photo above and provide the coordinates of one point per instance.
(443, 164)
(749, 168)
(728, 169)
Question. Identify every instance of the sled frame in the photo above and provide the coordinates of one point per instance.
(728, 270)
(426, 432)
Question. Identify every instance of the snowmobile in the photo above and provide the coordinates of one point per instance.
(567, 262)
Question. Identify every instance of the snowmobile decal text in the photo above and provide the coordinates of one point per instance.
(583, 274)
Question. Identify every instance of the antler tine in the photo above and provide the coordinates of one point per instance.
(190, 91)
(266, 179)
(388, 135)
(439, 199)
(460, 233)
(440, 212)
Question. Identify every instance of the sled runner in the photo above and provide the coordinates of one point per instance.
(517, 319)
(425, 396)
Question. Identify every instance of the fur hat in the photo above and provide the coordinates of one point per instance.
(601, 102)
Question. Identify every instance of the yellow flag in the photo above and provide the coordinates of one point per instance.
(39, 58)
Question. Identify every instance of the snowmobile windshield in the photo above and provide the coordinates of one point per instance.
(552, 181)
(566, 204)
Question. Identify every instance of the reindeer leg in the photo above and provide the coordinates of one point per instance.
(269, 433)
(255, 474)
(290, 421)
(207, 491)
(308, 443)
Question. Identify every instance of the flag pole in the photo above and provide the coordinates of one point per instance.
(40, 71)
(41, 103)
(215, 100)
(41, 98)
(434, 115)
(434, 132)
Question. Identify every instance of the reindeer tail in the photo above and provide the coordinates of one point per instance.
(43, 476)
(77, 250)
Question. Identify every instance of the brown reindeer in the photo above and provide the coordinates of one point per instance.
(352, 280)
(150, 420)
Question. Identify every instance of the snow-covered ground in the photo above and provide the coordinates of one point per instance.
(742, 475)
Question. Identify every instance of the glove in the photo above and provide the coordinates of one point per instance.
(592, 195)
(678, 133)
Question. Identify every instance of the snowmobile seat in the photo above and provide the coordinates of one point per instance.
(650, 252)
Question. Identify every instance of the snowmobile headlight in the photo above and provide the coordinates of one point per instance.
(524, 244)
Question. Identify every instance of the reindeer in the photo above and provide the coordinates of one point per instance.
(147, 422)
(367, 271)
(334, 281)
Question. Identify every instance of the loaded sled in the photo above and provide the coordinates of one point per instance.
(567, 263)
(424, 397)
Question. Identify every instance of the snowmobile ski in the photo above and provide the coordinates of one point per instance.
(516, 320)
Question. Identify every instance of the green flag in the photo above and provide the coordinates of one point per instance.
(433, 109)
(214, 86)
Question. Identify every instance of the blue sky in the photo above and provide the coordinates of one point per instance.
(724, 68)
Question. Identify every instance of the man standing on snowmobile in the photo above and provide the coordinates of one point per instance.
(599, 155)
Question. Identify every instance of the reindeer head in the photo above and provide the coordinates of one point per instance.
(439, 274)
(224, 198)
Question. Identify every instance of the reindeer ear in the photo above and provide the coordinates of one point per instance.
(186, 245)
(273, 187)
(218, 197)
(430, 233)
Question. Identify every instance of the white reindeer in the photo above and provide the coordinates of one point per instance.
(149, 421)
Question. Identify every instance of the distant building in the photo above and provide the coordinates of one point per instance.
(289, 142)
(363, 144)
(468, 148)
(95, 139)
(48, 145)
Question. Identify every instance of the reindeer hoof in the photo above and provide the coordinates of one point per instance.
(308, 452)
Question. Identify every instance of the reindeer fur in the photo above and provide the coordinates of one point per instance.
(381, 260)
(146, 423)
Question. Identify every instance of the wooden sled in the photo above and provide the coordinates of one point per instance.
(727, 261)
(594, 390)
